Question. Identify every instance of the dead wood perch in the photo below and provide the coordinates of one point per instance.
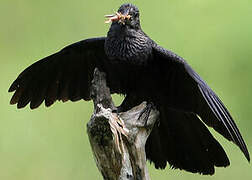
(118, 140)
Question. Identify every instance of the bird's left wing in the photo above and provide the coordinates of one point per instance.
(65, 75)
(185, 90)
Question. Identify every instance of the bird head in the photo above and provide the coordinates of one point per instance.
(127, 15)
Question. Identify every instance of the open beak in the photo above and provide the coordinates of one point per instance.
(117, 17)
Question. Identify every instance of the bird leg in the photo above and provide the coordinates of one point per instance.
(131, 100)
(146, 112)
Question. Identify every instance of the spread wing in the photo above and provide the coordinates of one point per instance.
(65, 75)
(186, 91)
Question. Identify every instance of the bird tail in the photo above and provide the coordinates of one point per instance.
(185, 143)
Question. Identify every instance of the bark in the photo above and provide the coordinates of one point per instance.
(118, 139)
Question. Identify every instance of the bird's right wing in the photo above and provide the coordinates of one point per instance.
(65, 75)
(185, 90)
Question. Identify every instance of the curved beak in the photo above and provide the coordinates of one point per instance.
(117, 17)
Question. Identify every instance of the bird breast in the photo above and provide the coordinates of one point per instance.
(132, 48)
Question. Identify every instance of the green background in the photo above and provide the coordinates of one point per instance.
(51, 143)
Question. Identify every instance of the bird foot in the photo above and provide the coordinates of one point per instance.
(146, 112)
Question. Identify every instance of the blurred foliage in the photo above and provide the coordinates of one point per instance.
(51, 143)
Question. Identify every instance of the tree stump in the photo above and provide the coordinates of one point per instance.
(118, 139)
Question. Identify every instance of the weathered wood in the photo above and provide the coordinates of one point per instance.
(118, 140)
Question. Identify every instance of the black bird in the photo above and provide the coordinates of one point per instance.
(143, 71)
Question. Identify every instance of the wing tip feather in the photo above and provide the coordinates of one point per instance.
(13, 87)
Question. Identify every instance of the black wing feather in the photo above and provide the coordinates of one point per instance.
(65, 75)
(191, 94)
